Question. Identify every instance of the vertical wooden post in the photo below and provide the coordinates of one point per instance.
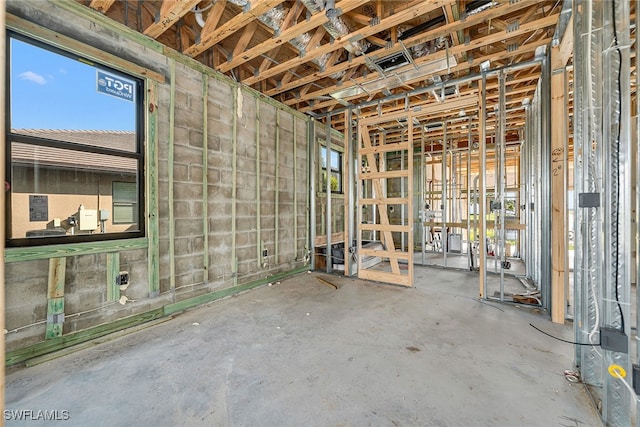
(55, 297)
(170, 175)
(346, 190)
(558, 199)
(482, 243)
(205, 176)
(559, 57)
(113, 269)
(152, 188)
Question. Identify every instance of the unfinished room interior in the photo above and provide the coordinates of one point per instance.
(320, 213)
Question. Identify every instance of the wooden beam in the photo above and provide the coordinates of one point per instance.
(487, 40)
(213, 18)
(245, 38)
(482, 252)
(305, 26)
(170, 13)
(564, 50)
(421, 38)
(290, 33)
(101, 6)
(420, 9)
(559, 122)
(55, 297)
(210, 38)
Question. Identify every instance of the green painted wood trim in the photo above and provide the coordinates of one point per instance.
(87, 248)
(205, 175)
(58, 343)
(55, 297)
(203, 299)
(170, 175)
(55, 318)
(234, 181)
(295, 190)
(96, 17)
(43, 34)
(151, 183)
(113, 269)
(277, 191)
(259, 245)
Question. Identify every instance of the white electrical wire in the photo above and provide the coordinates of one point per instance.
(626, 384)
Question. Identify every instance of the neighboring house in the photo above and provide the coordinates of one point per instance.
(49, 184)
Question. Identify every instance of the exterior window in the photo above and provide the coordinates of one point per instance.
(125, 202)
(74, 148)
(335, 168)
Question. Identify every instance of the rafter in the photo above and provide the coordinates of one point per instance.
(420, 9)
(421, 38)
(290, 33)
(527, 28)
(170, 12)
(101, 6)
(210, 38)
(245, 38)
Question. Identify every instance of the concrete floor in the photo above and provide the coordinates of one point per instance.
(300, 353)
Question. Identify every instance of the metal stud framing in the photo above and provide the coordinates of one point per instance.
(603, 166)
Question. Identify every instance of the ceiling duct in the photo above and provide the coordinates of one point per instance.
(393, 61)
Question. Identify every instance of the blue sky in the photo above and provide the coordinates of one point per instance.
(51, 91)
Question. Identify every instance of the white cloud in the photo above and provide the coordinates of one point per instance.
(62, 71)
(33, 77)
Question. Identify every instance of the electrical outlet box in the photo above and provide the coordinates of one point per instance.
(614, 339)
(122, 278)
(636, 379)
(589, 200)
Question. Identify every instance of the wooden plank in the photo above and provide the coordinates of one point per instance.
(440, 31)
(379, 193)
(558, 189)
(213, 19)
(451, 104)
(388, 201)
(383, 276)
(205, 175)
(564, 50)
(383, 148)
(151, 190)
(336, 237)
(113, 270)
(385, 227)
(288, 34)
(247, 34)
(482, 261)
(347, 214)
(170, 12)
(208, 39)
(87, 248)
(170, 174)
(383, 253)
(384, 175)
(55, 297)
(101, 6)
(416, 10)
(71, 45)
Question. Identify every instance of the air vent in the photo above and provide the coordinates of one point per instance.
(392, 62)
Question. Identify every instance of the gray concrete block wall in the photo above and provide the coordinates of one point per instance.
(86, 302)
